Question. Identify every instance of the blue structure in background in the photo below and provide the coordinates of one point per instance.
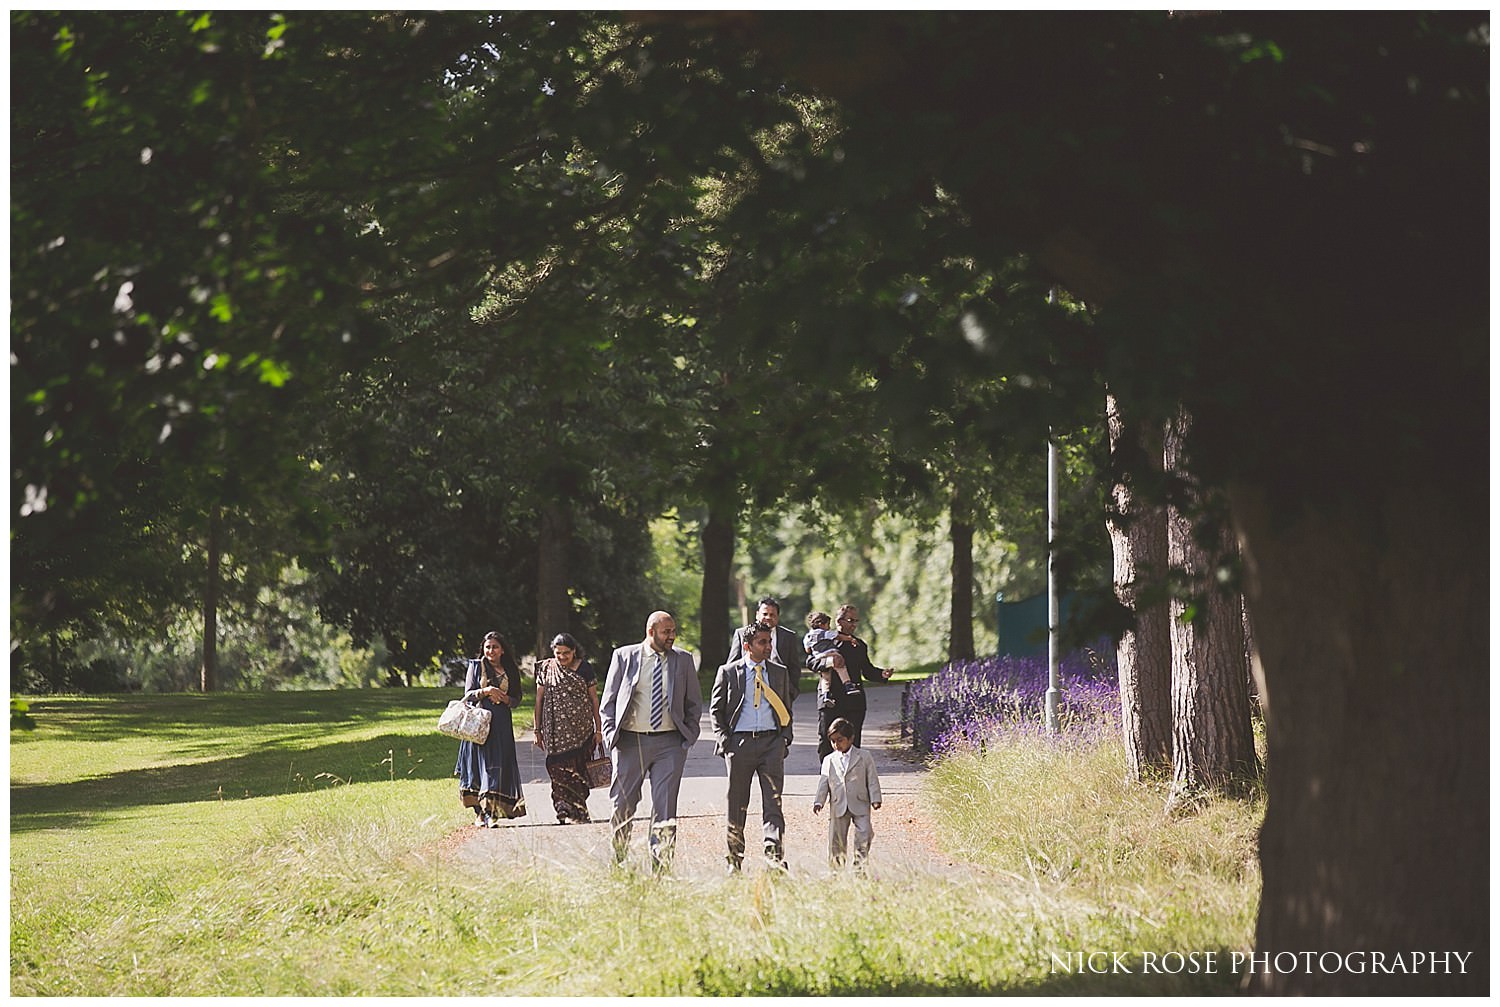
(1021, 626)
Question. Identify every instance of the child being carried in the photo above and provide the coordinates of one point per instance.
(821, 643)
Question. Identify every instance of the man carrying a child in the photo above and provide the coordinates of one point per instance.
(842, 661)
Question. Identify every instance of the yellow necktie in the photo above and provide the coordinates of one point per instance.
(782, 717)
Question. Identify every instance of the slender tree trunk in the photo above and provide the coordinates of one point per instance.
(961, 607)
(553, 609)
(1373, 628)
(1138, 532)
(742, 600)
(1212, 744)
(1252, 660)
(718, 556)
(208, 679)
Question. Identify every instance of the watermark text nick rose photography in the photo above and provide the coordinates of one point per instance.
(1260, 962)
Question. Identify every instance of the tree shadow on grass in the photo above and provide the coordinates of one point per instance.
(275, 769)
(171, 715)
(1132, 984)
(713, 982)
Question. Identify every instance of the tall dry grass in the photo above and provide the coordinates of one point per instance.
(1058, 814)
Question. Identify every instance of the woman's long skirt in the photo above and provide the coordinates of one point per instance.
(570, 783)
(489, 779)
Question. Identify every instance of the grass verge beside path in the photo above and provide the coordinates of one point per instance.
(93, 755)
(327, 879)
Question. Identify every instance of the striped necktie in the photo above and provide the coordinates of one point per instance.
(762, 687)
(658, 695)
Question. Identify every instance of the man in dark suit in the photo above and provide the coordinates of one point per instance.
(648, 715)
(750, 709)
(849, 699)
(786, 646)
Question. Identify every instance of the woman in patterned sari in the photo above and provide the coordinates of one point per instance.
(489, 780)
(567, 725)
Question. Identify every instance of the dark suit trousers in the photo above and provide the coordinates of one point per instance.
(746, 757)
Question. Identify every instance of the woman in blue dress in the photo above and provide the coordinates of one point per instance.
(489, 780)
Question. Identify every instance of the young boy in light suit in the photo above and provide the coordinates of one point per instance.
(850, 786)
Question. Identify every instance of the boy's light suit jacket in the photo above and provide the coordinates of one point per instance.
(852, 794)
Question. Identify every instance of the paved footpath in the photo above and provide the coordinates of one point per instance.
(902, 839)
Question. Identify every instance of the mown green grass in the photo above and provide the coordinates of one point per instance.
(272, 844)
(916, 672)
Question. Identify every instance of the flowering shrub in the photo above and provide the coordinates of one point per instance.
(967, 703)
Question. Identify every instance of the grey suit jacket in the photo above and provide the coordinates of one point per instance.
(788, 649)
(851, 794)
(728, 697)
(684, 697)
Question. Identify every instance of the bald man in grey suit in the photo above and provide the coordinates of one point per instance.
(648, 715)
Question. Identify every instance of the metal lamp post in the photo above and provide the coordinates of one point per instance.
(1052, 609)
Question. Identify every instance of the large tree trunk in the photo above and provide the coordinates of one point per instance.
(1373, 635)
(1138, 532)
(1212, 744)
(718, 555)
(961, 606)
(553, 610)
(208, 673)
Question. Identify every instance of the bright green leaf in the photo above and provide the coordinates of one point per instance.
(1263, 50)
(274, 374)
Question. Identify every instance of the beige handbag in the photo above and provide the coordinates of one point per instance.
(465, 721)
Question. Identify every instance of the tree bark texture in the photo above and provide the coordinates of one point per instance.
(718, 556)
(1212, 744)
(1373, 632)
(553, 609)
(961, 607)
(208, 673)
(1138, 533)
